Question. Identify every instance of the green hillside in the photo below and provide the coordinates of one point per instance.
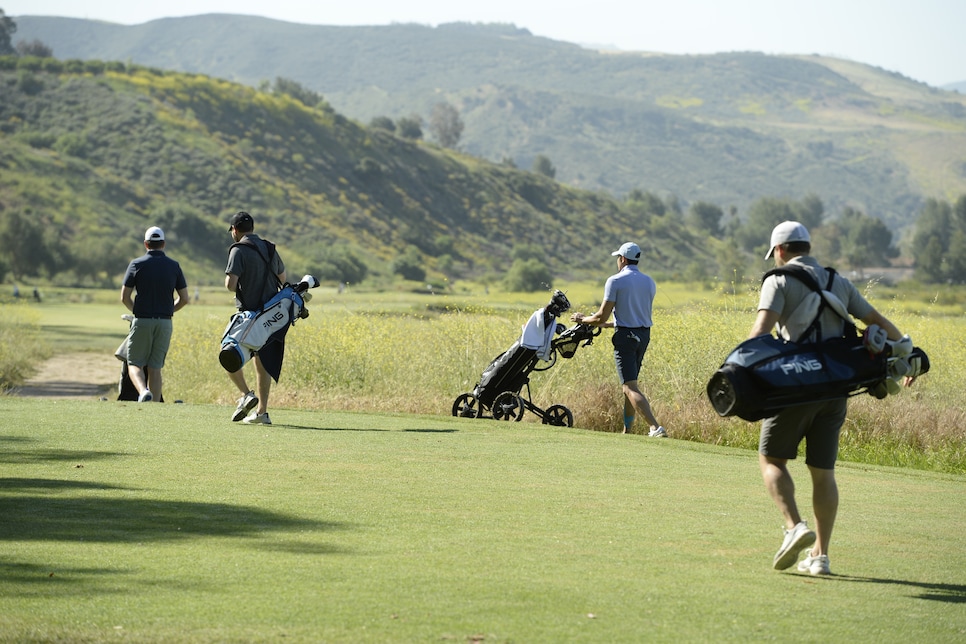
(96, 152)
(726, 128)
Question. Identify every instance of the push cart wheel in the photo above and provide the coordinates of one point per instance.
(466, 406)
(508, 406)
(559, 416)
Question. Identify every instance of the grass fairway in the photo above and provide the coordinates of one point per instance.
(168, 523)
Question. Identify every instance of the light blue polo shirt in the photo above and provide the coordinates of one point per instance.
(632, 293)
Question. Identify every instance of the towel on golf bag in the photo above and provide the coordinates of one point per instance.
(537, 333)
(249, 331)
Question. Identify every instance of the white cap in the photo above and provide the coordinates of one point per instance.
(153, 234)
(785, 232)
(628, 250)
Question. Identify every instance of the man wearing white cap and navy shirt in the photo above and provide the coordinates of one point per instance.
(155, 277)
(629, 295)
(817, 423)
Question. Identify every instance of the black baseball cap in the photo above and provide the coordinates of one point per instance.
(240, 217)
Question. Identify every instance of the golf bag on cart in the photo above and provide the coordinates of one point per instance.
(498, 392)
(249, 331)
(764, 375)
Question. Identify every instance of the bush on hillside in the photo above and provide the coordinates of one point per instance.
(528, 276)
(409, 265)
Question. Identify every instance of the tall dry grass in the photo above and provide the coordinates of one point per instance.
(420, 363)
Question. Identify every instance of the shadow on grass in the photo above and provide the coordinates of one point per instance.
(48, 580)
(951, 593)
(331, 429)
(17, 439)
(12, 484)
(26, 457)
(363, 429)
(99, 520)
(432, 431)
(17, 572)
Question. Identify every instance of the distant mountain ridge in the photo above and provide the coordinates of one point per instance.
(725, 128)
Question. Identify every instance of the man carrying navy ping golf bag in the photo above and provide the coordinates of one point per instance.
(799, 384)
(764, 375)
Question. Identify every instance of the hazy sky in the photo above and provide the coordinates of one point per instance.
(922, 39)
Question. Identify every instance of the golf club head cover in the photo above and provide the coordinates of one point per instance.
(901, 347)
(874, 338)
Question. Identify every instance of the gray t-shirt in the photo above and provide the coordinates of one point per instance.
(783, 295)
(256, 272)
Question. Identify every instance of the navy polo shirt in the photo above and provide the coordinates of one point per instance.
(155, 277)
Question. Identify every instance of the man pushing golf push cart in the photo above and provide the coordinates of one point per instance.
(498, 393)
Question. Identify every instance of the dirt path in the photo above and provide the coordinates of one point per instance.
(75, 376)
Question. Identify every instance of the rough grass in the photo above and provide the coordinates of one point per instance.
(415, 353)
(22, 345)
(353, 359)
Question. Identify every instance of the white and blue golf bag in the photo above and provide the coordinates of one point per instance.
(249, 331)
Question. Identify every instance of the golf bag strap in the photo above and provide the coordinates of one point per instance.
(268, 260)
(802, 275)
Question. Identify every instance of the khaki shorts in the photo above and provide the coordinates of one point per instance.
(148, 342)
(817, 423)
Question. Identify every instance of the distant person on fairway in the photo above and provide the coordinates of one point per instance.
(818, 423)
(255, 273)
(629, 295)
(155, 278)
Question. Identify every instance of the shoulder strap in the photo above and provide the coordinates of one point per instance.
(801, 274)
(268, 260)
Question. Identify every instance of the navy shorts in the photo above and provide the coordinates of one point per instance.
(630, 344)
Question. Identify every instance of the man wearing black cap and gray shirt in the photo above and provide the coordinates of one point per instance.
(154, 276)
(255, 273)
(629, 295)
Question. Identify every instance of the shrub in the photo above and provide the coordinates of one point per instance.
(528, 276)
(53, 65)
(383, 123)
(72, 144)
(28, 83)
(409, 265)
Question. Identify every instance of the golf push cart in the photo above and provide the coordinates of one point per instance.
(499, 393)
